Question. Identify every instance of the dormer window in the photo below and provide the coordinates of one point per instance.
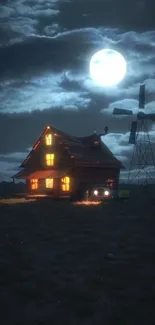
(48, 139)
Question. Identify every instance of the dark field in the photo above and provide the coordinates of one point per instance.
(67, 264)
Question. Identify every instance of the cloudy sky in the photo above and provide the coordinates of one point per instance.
(45, 50)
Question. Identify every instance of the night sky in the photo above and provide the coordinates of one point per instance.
(45, 49)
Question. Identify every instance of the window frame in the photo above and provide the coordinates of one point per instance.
(49, 159)
(49, 179)
(49, 141)
(65, 184)
(34, 183)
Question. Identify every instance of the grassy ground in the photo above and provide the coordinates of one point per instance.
(67, 264)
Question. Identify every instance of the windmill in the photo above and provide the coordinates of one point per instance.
(142, 157)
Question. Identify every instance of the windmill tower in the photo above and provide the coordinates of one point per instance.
(142, 160)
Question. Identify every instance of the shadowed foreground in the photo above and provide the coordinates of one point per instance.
(68, 264)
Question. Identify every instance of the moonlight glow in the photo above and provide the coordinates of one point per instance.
(107, 67)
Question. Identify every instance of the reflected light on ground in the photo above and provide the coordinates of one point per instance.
(87, 203)
(15, 201)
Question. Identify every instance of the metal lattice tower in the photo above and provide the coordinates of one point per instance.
(142, 160)
(142, 164)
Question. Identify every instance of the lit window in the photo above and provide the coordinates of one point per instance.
(65, 184)
(34, 184)
(49, 159)
(49, 182)
(48, 139)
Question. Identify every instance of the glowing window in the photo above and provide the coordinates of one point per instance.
(34, 184)
(49, 182)
(48, 139)
(49, 159)
(65, 184)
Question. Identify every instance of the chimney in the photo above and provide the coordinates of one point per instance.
(105, 130)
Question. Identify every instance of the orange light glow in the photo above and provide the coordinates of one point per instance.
(36, 195)
(65, 184)
(87, 203)
(49, 159)
(49, 182)
(48, 127)
(48, 139)
(34, 184)
(36, 145)
(15, 201)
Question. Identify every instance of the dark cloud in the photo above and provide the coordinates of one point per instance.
(34, 55)
(34, 72)
(20, 19)
(129, 14)
(72, 50)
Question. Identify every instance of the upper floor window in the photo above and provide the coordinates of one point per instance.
(34, 184)
(48, 139)
(49, 159)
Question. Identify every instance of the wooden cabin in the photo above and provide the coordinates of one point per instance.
(59, 164)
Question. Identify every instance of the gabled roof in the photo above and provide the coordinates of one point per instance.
(80, 147)
(84, 152)
(46, 130)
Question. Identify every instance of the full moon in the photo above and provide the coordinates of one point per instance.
(107, 67)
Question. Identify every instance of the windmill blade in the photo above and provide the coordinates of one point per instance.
(122, 111)
(133, 130)
(142, 97)
(151, 117)
(143, 116)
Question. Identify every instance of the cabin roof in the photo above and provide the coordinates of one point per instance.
(40, 174)
(82, 151)
(80, 147)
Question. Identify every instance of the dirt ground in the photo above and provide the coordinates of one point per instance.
(71, 264)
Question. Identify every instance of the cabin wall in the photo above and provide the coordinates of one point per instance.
(46, 150)
(42, 188)
(27, 186)
(65, 159)
(92, 175)
(78, 177)
(33, 162)
(56, 191)
(61, 157)
(36, 159)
